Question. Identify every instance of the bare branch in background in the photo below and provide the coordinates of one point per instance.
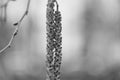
(26, 12)
(16, 30)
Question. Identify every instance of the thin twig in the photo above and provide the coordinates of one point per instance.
(16, 30)
(11, 40)
(26, 12)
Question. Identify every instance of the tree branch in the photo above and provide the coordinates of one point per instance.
(16, 30)
(26, 12)
(10, 42)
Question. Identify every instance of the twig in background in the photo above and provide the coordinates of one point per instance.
(16, 30)
(26, 12)
(54, 41)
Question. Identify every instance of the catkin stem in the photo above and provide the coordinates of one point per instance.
(54, 41)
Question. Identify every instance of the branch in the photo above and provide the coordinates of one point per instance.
(11, 40)
(16, 30)
(26, 12)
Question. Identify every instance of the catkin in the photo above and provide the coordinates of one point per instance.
(54, 41)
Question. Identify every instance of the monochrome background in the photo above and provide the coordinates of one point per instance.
(91, 40)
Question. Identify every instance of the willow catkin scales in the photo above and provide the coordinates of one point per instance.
(54, 41)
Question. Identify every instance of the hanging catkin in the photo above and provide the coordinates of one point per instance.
(54, 41)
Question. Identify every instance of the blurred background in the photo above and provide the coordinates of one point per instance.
(91, 40)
